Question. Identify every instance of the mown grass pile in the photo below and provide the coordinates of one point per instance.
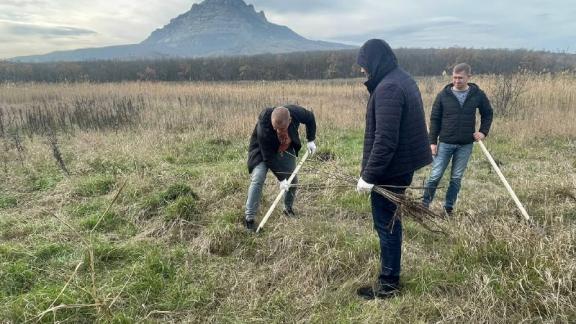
(171, 247)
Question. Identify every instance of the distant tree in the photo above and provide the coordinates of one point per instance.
(303, 65)
(148, 74)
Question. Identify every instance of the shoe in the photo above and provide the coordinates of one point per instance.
(448, 211)
(382, 291)
(289, 212)
(250, 225)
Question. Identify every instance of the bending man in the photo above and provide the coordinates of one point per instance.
(274, 146)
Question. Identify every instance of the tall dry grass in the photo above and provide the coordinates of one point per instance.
(546, 104)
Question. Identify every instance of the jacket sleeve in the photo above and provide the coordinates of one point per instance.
(435, 120)
(485, 115)
(266, 149)
(307, 118)
(389, 101)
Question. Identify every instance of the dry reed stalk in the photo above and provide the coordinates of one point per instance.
(56, 153)
(406, 206)
(63, 306)
(90, 249)
(411, 208)
(154, 312)
(51, 307)
(109, 206)
(122, 290)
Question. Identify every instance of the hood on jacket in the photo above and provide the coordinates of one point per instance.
(377, 59)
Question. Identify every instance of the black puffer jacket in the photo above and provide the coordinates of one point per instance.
(455, 124)
(395, 139)
(264, 141)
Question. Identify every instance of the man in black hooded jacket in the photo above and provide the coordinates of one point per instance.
(395, 145)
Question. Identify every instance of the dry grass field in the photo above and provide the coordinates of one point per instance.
(124, 202)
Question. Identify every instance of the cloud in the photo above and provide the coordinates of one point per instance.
(23, 3)
(27, 29)
(438, 28)
(29, 38)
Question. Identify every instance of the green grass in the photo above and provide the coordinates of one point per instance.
(108, 222)
(42, 182)
(85, 208)
(183, 207)
(17, 278)
(8, 201)
(208, 268)
(177, 201)
(94, 185)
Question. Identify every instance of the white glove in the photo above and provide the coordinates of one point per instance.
(363, 186)
(284, 185)
(311, 147)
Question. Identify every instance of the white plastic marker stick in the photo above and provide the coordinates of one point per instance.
(497, 169)
(282, 192)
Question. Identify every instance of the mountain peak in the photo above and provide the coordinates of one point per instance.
(225, 2)
(216, 18)
(228, 27)
(210, 28)
(240, 4)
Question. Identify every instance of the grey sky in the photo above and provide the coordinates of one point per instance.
(40, 26)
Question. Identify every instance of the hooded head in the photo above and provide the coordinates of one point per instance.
(377, 59)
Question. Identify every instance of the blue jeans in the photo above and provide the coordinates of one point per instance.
(460, 154)
(283, 166)
(390, 241)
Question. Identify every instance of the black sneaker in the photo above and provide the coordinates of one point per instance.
(382, 291)
(448, 211)
(289, 212)
(250, 225)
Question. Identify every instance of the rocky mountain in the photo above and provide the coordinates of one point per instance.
(210, 28)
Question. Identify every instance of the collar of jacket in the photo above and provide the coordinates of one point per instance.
(472, 86)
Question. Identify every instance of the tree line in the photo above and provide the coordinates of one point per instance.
(301, 65)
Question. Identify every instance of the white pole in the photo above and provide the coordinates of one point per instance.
(497, 169)
(282, 192)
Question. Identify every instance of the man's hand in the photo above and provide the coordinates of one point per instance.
(311, 147)
(434, 149)
(284, 185)
(363, 186)
(478, 136)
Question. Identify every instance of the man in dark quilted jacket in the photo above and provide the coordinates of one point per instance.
(453, 132)
(395, 145)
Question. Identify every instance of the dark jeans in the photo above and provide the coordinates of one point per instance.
(390, 242)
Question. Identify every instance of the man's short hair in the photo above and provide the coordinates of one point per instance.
(280, 116)
(462, 67)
